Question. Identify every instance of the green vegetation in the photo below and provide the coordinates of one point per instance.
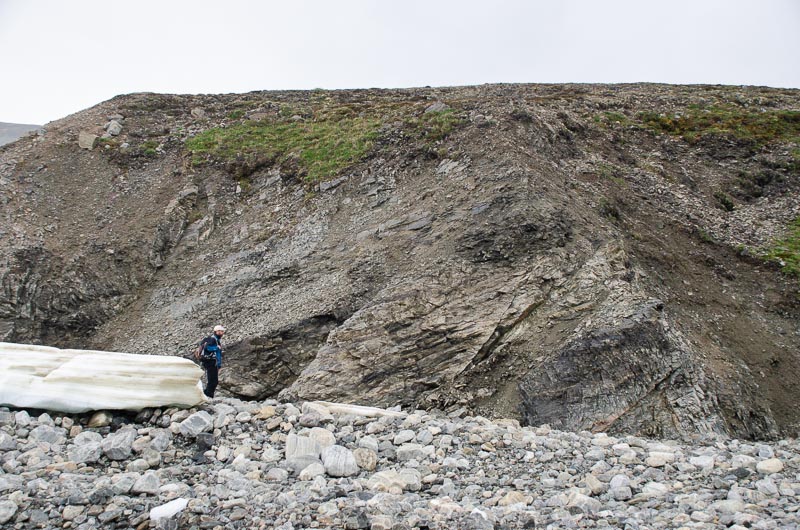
(110, 142)
(434, 126)
(609, 210)
(315, 141)
(724, 201)
(148, 148)
(787, 251)
(760, 127)
(612, 118)
(236, 114)
(704, 236)
(610, 172)
(319, 148)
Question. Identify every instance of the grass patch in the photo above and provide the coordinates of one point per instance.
(724, 200)
(435, 126)
(610, 172)
(316, 149)
(148, 148)
(315, 142)
(608, 119)
(787, 251)
(750, 125)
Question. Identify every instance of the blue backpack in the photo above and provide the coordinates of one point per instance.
(212, 351)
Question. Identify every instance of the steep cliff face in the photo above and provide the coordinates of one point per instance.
(584, 256)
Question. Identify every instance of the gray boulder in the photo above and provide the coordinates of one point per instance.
(339, 461)
(118, 446)
(196, 423)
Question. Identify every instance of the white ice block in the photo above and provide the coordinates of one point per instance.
(82, 380)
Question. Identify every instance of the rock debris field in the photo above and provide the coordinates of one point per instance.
(234, 464)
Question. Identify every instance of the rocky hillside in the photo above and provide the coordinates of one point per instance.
(618, 258)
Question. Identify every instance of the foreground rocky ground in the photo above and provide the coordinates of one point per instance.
(234, 464)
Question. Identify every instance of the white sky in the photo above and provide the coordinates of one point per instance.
(58, 57)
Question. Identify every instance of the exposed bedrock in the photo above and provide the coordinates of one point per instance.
(589, 256)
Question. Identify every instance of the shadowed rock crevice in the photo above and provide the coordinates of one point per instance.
(274, 361)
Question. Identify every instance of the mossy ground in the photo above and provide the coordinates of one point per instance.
(758, 126)
(786, 251)
(318, 140)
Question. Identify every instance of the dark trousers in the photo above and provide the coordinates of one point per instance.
(212, 375)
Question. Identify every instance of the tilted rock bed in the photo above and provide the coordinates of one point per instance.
(234, 464)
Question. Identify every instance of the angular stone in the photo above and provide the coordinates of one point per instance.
(655, 489)
(7, 443)
(767, 487)
(594, 484)
(704, 462)
(99, 419)
(119, 446)
(198, 422)
(87, 140)
(621, 493)
(7, 510)
(659, 459)
(369, 442)
(114, 128)
(512, 497)
(729, 506)
(312, 471)
(437, 106)
(301, 446)
(22, 418)
(388, 481)
(584, 503)
(168, 510)
(87, 452)
(48, 434)
(339, 461)
(298, 463)
(745, 461)
(404, 436)
(323, 437)
(619, 481)
(277, 474)
(769, 466)
(410, 452)
(7, 418)
(412, 479)
(70, 512)
(148, 484)
(366, 459)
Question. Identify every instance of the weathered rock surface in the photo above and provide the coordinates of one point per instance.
(548, 257)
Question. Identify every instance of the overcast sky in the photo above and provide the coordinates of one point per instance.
(58, 57)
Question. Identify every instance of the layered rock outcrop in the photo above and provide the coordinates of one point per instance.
(584, 256)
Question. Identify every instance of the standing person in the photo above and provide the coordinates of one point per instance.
(210, 354)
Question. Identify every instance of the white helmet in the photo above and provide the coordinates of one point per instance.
(219, 328)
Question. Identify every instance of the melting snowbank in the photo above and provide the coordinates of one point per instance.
(81, 380)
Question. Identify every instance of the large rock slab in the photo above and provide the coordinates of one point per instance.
(48, 378)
